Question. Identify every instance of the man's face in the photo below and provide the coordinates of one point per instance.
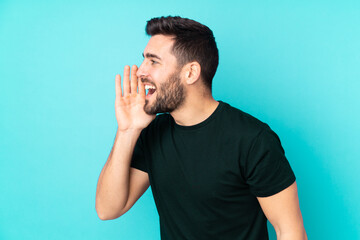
(161, 76)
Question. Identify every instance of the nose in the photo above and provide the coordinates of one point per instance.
(141, 72)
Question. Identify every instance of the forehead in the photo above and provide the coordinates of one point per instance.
(160, 45)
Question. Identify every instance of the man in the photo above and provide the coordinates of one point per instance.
(215, 171)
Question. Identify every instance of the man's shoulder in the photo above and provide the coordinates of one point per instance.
(242, 121)
(243, 127)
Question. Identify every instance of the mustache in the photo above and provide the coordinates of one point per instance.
(146, 80)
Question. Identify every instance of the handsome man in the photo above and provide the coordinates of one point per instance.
(215, 171)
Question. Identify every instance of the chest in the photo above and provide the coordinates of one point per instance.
(201, 167)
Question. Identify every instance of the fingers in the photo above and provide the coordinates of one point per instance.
(118, 93)
(126, 81)
(142, 91)
(134, 82)
(130, 85)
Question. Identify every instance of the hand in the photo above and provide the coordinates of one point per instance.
(129, 103)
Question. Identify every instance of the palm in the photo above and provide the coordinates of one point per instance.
(129, 103)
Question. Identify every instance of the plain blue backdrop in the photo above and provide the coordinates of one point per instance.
(293, 64)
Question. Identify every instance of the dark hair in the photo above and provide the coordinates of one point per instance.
(193, 42)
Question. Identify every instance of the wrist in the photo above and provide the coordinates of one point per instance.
(128, 132)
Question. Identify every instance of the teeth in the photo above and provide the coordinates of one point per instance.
(149, 87)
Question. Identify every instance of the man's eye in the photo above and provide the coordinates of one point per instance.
(153, 62)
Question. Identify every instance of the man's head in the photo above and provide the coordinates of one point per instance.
(180, 53)
(192, 42)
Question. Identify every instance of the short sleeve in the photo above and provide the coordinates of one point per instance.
(138, 160)
(267, 170)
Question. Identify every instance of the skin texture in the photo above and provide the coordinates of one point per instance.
(119, 185)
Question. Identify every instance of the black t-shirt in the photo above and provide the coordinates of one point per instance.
(205, 178)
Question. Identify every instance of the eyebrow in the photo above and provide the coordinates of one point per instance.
(151, 55)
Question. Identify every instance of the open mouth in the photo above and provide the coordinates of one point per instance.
(150, 89)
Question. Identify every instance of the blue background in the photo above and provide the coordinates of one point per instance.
(293, 64)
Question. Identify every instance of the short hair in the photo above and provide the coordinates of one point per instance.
(193, 42)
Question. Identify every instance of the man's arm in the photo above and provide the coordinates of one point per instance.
(120, 186)
(283, 212)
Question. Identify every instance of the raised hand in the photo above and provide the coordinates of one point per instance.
(129, 103)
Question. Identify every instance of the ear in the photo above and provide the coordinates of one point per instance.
(192, 72)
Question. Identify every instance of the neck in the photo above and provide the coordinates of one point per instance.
(194, 110)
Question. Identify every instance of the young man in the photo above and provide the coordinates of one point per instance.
(215, 171)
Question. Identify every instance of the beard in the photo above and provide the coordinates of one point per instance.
(170, 95)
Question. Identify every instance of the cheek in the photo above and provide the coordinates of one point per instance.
(158, 76)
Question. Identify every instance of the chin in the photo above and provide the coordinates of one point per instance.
(149, 108)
